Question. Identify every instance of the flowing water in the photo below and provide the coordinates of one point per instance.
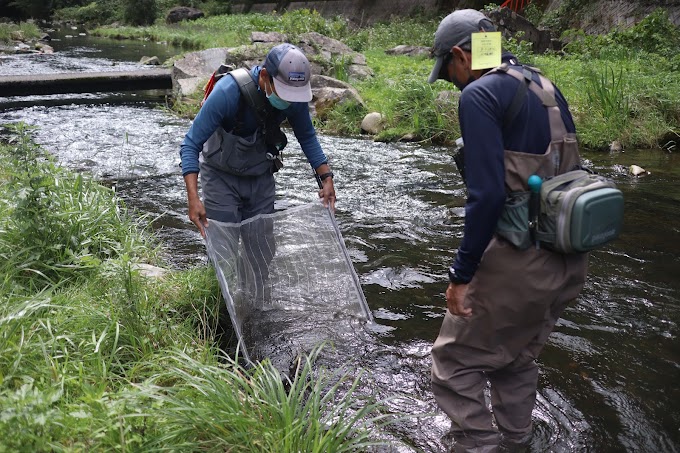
(610, 371)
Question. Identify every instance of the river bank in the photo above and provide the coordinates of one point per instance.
(621, 87)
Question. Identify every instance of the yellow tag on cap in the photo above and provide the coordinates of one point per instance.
(486, 50)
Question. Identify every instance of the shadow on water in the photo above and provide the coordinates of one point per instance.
(609, 373)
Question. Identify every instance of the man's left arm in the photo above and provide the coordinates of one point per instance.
(304, 131)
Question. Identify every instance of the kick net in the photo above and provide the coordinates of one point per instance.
(288, 283)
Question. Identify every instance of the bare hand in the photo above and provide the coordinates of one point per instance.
(197, 215)
(327, 193)
(455, 296)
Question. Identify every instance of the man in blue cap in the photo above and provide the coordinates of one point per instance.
(504, 294)
(237, 157)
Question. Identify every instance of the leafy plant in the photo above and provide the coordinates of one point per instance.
(606, 92)
(139, 12)
(23, 30)
(60, 225)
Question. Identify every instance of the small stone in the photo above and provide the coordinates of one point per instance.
(616, 146)
(636, 170)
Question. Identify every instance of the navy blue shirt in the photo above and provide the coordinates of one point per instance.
(483, 104)
(221, 108)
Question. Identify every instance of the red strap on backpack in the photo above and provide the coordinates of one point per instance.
(207, 89)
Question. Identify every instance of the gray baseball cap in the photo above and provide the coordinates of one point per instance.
(291, 72)
(456, 30)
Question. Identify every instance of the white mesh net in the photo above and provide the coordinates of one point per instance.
(288, 282)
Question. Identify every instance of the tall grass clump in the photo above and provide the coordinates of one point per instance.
(418, 110)
(606, 93)
(225, 407)
(59, 226)
(400, 31)
(20, 31)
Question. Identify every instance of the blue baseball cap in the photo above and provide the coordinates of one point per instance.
(291, 72)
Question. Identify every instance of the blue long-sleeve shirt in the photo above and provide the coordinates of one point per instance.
(221, 108)
(482, 106)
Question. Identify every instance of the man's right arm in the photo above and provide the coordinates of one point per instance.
(196, 209)
(221, 103)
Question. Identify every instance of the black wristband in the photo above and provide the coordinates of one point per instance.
(323, 176)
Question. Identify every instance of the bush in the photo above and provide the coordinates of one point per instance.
(90, 14)
(139, 12)
(655, 34)
(59, 226)
(25, 30)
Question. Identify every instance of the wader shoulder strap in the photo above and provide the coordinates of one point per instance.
(546, 94)
(251, 94)
(518, 100)
(263, 109)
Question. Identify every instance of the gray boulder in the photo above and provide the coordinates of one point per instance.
(328, 92)
(180, 13)
(411, 51)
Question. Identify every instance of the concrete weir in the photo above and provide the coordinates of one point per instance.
(85, 82)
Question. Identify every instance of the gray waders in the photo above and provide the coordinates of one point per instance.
(516, 298)
(237, 179)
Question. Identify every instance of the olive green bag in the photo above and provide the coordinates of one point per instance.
(579, 211)
(575, 211)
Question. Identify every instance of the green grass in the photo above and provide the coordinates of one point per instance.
(94, 356)
(621, 86)
(217, 407)
(228, 30)
(21, 31)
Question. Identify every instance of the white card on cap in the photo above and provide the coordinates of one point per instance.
(486, 49)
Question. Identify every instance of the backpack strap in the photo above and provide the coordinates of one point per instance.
(520, 96)
(266, 118)
(251, 94)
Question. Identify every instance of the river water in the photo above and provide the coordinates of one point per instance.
(610, 371)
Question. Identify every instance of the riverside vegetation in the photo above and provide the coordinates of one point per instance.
(94, 356)
(622, 86)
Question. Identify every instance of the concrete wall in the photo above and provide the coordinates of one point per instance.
(603, 16)
(361, 12)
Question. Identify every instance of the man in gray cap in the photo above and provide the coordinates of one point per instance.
(504, 294)
(238, 158)
(235, 143)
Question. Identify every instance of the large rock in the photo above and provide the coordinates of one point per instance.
(327, 56)
(328, 92)
(373, 123)
(180, 13)
(331, 56)
(195, 68)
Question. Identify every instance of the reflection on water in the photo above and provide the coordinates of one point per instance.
(76, 51)
(609, 373)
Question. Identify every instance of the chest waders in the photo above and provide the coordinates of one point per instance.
(516, 297)
(254, 154)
